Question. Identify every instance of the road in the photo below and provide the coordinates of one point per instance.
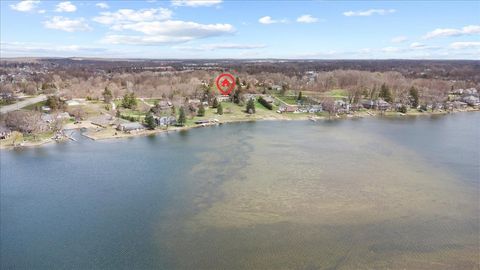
(21, 104)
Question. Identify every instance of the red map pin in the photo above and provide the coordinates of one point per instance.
(225, 83)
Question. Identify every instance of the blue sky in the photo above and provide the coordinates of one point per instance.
(242, 29)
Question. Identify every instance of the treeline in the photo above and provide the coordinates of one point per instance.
(96, 79)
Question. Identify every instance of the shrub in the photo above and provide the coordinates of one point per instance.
(267, 105)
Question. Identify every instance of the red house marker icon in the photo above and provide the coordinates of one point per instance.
(225, 83)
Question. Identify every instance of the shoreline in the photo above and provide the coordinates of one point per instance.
(122, 135)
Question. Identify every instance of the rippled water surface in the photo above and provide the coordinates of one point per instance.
(389, 193)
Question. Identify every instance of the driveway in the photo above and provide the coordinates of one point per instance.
(21, 104)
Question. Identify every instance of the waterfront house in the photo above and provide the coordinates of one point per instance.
(103, 120)
(459, 105)
(201, 122)
(315, 108)
(471, 100)
(287, 109)
(4, 133)
(383, 105)
(130, 127)
(165, 121)
(369, 104)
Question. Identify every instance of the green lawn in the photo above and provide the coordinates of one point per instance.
(151, 101)
(292, 100)
(336, 93)
(35, 105)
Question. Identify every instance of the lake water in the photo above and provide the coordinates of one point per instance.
(381, 193)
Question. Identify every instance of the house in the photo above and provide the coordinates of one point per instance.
(470, 91)
(63, 115)
(47, 118)
(383, 105)
(102, 120)
(457, 92)
(378, 104)
(72, 102)
(222, 98)
(195, 102)
(471, 100)
(268, 99)
(315, 108)
(287, 109)
(166, 121)
(459, 105)
(46, 109)
(130, 127)
(369, 104)
(276, 87)
(201, 122)
(4, 132)
(247, 97)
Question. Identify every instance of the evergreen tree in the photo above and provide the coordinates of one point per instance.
(237, 83)
(251, 106)
(107, 95)
(220, 109)
(215, 103)
(150, 121)
(181, 117)
(201, 110)
(299, 98)
(385, 93)
(129, 101)
(52, 102)
(414, 96)
(174, 110)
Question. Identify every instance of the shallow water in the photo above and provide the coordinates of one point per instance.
(383, 193)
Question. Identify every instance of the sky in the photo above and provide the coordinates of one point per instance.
(241, 29)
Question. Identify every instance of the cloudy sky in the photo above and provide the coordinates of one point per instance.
(242, 29)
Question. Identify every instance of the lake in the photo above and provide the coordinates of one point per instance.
(382, 193)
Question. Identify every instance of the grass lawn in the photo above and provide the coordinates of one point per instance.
(151, 101)
(35, 105)
(336, 93)
(292, 100)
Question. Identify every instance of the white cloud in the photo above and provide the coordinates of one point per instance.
(399, 39)
(196, 3)
(162, 32)
(25, 6)
(449, 32)
(66, 24)
(417, 45)
(226, 46)
(102, 5)
(391, 49)
(156, 27)
(66, 6)
(369, 12)
(176, 28)
(130, 15)
(12, 49)
(465, 45)
(307, 19)
(269, 20)
(421, 46)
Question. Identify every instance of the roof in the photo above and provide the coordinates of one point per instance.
(131, 126)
